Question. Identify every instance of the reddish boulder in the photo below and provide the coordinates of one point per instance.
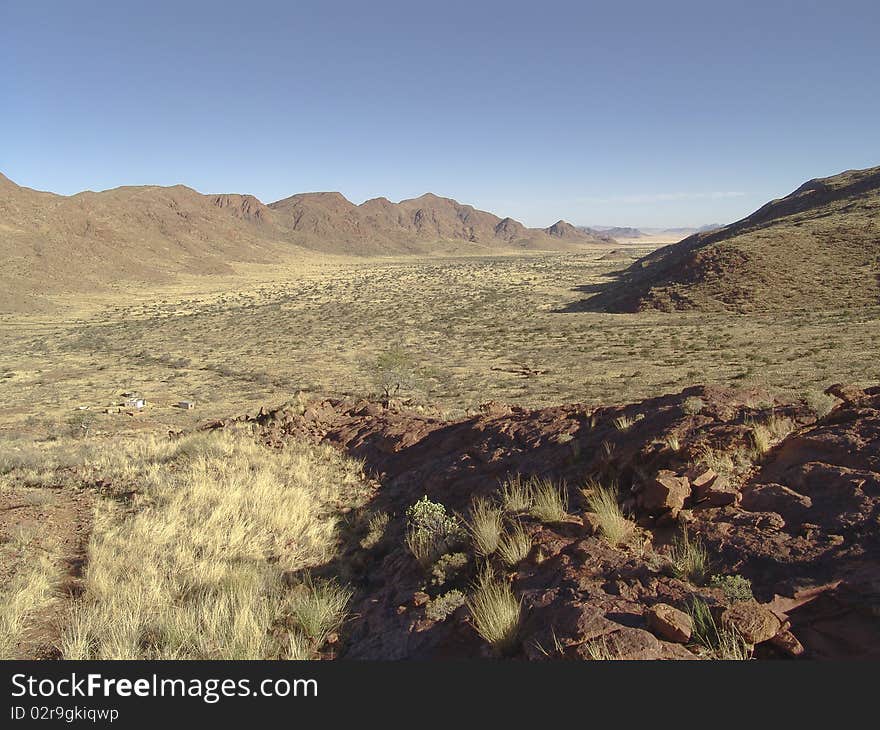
(754, 622)
(721, 493)
(670, 623)
(701, 478)
(666, 492)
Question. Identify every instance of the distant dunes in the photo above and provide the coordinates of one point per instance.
(817, 248)
(52, 243)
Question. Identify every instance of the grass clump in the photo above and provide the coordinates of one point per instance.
(318, 608)
(624, 423)
(376, 526)
(735, 587)
(431, 532)
(613, 524)
(549, 501)
(485, 527)
(689, 559)
(515, 545)
(516, 495)
(495, 610)
(723, 643)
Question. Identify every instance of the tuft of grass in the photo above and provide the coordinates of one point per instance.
(690, 559)
(485, 527)
(624, 423)
(515, 545)
(693, 405)
(516, 495)
(672, 443)
(298, 647)
(549, 501)
(600, 650)
(495, 610)
(719, 461)
(376, 527)
(723, 643)
(761, 438)
(614, 525)
(318, 607)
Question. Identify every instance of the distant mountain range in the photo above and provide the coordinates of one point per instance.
(625, 232)
(817, 248)
(52, 242)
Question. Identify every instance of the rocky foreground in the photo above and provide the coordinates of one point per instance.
(777, 494)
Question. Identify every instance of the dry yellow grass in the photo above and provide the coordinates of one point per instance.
(495, 611)
(31, 589)
(485, 527)
(195, 571)
(615, 528)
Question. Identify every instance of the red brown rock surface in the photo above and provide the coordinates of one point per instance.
(805, 534)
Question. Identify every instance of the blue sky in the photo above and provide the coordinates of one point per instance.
(624, 113)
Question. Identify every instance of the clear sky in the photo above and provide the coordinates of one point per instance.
(617, 113)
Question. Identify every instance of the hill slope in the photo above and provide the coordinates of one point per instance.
(51, 243)
(817, 248)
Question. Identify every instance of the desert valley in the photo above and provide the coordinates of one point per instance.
(315, 429)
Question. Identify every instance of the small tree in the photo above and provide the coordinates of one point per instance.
(394, 370)
(80, 424)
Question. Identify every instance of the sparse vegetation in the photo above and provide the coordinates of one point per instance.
(485, 527)
(431, 532)
(444, 605)
(514, 545)
(723, 643)
(549, 501)
(689, 558)
(693, 405)
(615, 528)
(495, 611)
(735, 587)
(516, 495)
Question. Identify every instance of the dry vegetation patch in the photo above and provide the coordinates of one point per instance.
(195, 567)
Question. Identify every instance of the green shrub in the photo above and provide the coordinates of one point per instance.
(735, 587)
(693, 405)
(448, 568)
(442, 606)
(431, 532)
